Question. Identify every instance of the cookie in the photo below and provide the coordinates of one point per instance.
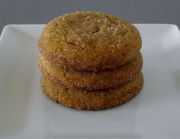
(89, 41)
(91, 100)
(91, 80)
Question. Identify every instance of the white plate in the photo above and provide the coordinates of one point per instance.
(26, 113)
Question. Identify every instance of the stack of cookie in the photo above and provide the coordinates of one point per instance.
(90, 60)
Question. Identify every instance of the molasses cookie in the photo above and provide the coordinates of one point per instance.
(91, 100)
(91, 80)
(89, 41)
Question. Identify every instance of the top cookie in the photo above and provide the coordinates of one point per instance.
(90, 41)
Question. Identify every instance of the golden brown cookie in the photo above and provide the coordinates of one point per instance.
(91, 80)
(91, 100)
(89, 41)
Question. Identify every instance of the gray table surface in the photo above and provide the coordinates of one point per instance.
(137, 11)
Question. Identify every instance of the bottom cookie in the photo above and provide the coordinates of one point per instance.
(91, 100)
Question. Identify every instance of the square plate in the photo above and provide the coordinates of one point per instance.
(26, 113)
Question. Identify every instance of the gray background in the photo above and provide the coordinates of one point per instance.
(137, 11)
